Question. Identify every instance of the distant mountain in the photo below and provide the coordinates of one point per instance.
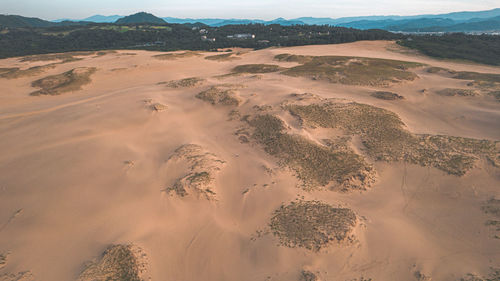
(463, 16)
(94, 18)
(13, 21)
(222, 22)
(419, 24)
(210, 22)
(141, 17)
(392, 23)
(474, 25)
(237, 21)
(103, 19)
(456, 16)
(399, 25)
(283, 21)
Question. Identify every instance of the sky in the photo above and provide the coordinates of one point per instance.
(255, 9)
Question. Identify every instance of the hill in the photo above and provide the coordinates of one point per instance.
(14, 21)
(141, 17)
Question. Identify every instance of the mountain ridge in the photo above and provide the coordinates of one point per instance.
(467, 21)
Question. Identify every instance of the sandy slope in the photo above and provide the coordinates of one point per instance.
(62, 162)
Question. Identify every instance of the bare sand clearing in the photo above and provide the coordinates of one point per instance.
(176, 168)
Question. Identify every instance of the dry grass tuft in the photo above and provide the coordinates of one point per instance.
(107, 52)
(185, 83)
(386, 95)
(492, 207)
(494, 276)
(223, 57)
(451, 92)
(118, 262)
(312, 224)
(313, 163)
(220, 95)
(350, 70)
(69, 81)
(203, 167)
(257, 68)
(385, 137)
(3, 259)
(158, 107)
(174, 56)
(306, 275)
(234, 115)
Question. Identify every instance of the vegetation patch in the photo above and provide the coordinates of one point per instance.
(492, 208)
(220, 95)
(20, 41)
(257, 68)
(223, 57)
(200, 177)
(495, 94)
(350, 70)
(185, 83)
(451, 92)
(19, 276)
(312, 225)
(306, 275)
(313, 163)
(435, 69)
(107, 52)
(385, 137)
(485, 83)
(386, 95)
(118, 262)
(494, 276)
(13, 73)
(64, 57)
(69, 81)
(174, 56)
(482, 49)
(477, 76)
(234, 115)
(3, 260)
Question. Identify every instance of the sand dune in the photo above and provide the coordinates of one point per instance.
(249, 166)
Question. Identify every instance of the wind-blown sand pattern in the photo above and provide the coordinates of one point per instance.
(330, 163)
